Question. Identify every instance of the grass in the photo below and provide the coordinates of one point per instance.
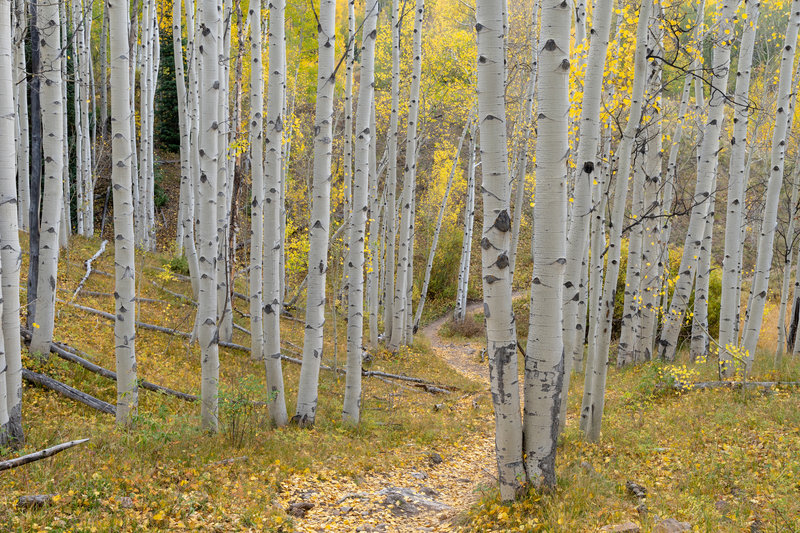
(165, 464)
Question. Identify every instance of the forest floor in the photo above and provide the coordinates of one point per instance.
(721, 460)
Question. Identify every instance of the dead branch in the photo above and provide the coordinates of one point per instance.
(88, 264)
(47, 382)
(38, 456)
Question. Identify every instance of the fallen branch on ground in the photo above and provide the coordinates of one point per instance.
(65, 390)
(88, 264)
(67, 353)
(37, 456)
(738, 384)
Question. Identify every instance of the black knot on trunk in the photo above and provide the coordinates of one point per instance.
(503, 221)
(550, 45)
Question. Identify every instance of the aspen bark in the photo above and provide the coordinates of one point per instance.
(21, 111)
(544, 362)
(209, 21)
(391, 177)
(373, 271)
(582, 210)
(351, 411)
(469, 219)
(495, 244)
(319, 226)
(53, 108)
(787, 266)
(786, 93)
(595, 381)
(124, 252)
(708, 156)
(257, 223)
(272, 299)
(402, 304)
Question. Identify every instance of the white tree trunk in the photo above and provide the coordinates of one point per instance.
(257, 222)
(500, 331)
(21, 109)
(787, 266)
(224, 311)
(9, 235)
(435, 241)
(351, 411)
(373, 273)
(786, 93)
(124, 251)
(84, 154)
(731, 270)
(209, 22)
(583, 209)
(47, 20)
(272, 213)
(469, 219)
(65, 227)
(391, 177)
(319, 225)
(595, 381)
(708, 154)
(700, 337)
(544, 362)
(401, 305)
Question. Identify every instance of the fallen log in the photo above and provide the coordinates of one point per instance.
(736, 385)
(34, 501)
(173, 293)
(37, 456)
(47, 382)
(67, 353)
(88, 264)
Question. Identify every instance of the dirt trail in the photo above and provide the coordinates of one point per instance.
(427, 496)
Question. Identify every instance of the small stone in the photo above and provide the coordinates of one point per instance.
(435, 459)
(634, 489)
(34, 501)
(587, 467)
(419, 475)
(438, 407)
(670, 525)
(299, 509)
(627, 527)
(125, 502)
(346, 509)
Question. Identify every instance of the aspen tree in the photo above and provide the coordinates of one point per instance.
(785, 94)
(21, 112)
(209, 22)
(257, 222)
(730, 294)
(373, 271)
(121, 177)
(103, 63)
(10, 251)
(787, 267)
(437, 230)
(273, 249)
(402, 303)
(520, 204)
(319, 226)
(708, 156)
(53, 108)
(595, 380)
(469, 219)
(355, 301)
(582, 209)
(349, 51)
(500, 332)
(224, 311)
(65, 227)
(391, 176)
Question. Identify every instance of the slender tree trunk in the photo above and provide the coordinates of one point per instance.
(47, 19)
(787, 266)
(257, 223)
(272, 212)
(529, 125)
(124, 251)
(373, 273)
(209, 23)
(582, 209)
(9, 236)
(65, 227)
(347, 162)
(85, 152)
(103, 89)
(402, 304)
(21, 108)
(731, 271)
(700, 335)
(786, 93)
(469, 219)
(319, 226)
(36, 169)
(500, 331)
(224, 258)
(709, 153)
(432, 254)
(595, 381)
(391, 177)
(351, 412)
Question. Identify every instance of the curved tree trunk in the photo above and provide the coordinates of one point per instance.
(319, 226)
